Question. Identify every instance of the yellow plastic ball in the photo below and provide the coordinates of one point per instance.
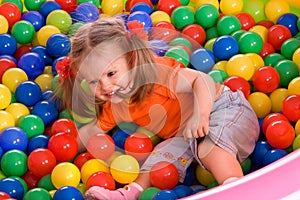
(257, 60)
(13, 77)
(262, 31)
(240, 65)
(45, 32)
(275, 8)
(3, 24)
(260, 103)
(209, 44)
(44, 81)
(5, 96)
(221, 65)
(17, 110)
(231, 7)
(91, 166)
(65, 174)
(296, 58)
(297, 127)
(124, 169)
(48, 70)
(277, 97)
(294, 86)
(112, 7)
(159, 16)
(52, 192)
(203, 176)
(212, 2)
(6, 120)
(113, 156)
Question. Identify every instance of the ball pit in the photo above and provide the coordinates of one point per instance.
(248, 45)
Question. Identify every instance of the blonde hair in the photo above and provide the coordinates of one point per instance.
(88, 37)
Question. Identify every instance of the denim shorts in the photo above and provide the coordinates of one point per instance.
(233, 127)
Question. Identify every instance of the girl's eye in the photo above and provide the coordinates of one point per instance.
(93, 82)
(110, 74)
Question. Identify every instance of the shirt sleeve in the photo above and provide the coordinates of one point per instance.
(106, 120)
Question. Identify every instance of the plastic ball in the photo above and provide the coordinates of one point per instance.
(297, 127)
(13, 138)
(4, 195)
(206, 15)
(37, 193)
(182, 16)
(218, 75)
(68, 192)
(160, 16)
(5, 96)
(203, 176)
(3, 24)
(164, 175)
(250, 42)
(291, 107)
(67, 5)
(273, 58)
(256, 9)
(142, 7)
(159, 47)
(101, 179)
(277, 34)
(5, 64)
(63, 145)
(58, 45)
(85, 12)
(165, 194)
(183, 191)
(237, 34)
(23, 31)
(149, 193)
(142, 18)
(266, 79)
(82, 158)
(12, 187)
(13, 77)
(41, 162)
(65, 174)
(260, 103)
(6, 120)
(11, 12)
(39, 141)
(267, 49)
(225, 47)
(260, 150)
(294, 86)
(100, 146)
(202, 60)
(112, 7)
(124, 169)
(296, 57)
(60, 19)
(168, 6)
(14, 163)
(33, 5)
(275, 8)
(179, 54)
(46, 111)
(231, 7)
(236, 83)
(181, 41)
(44, 81)
(215, 3)
(261, 31)
(273, 155)
(256, 59)
(277, 97)
(32, 124)
(280, 134)
(246, 20)
(288, 47)
(220, 65)
(35, 18)
(92, 166)
(32, 63)
(211, 33)
(289, 20)
(8, 44)
(31, 180)
(228, 24)
(163, 31)
(119, 137)
(287, 70)
(45, 32)
(240, 65)
(270, 118)
(64, 125)
(195, 33)
(17, 110)
(48, 7)
(74, 28)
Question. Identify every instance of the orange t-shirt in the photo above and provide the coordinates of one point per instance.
(163, 112)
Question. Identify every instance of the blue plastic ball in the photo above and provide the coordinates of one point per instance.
(165, 194)
(49, 96)
(159, 47)
(54, 72)
(42, 51)
(190, 175)
(120, 136)
(68, 192)
(47, 7)
(8, 44)
(12, 187)
(183, 191)
(13, 138)
(28, 93)
(85, 12)
(143, 18)
(202, 60)
(39, 141)
(260, 150)
(32, 64)
(46, 111)
(35, 18)
(58, 45)
(9, 57)
(290, 21)
(273, 155)
(225, 47)
(142, 7)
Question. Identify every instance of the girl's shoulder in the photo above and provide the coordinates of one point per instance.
(168, 62)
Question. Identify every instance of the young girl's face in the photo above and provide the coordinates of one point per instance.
(116, 77)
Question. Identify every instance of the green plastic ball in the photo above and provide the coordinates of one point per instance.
(178, 54)
(272, 59)
(37, 194)
(181, 41)
(288, 47)
(33, 125)
(33, 4)
(237, 34)
(218, 75)
(287, 70)
(46, 183)
(148, 193)
(250, 42)
(14, 163)
(182, 16)
(211, 33)
(228, 24)
(207, 15)
(23, 31)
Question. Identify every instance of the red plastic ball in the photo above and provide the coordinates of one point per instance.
(266, 50)
(131, 3)
(195, 34)
(138, 145)
(5, 64)
(291, 107)
(11, 12)
(266, 79)
(270, 118)
(101, 146)
(246, 20)
(64, 125)
(164, 175)
(280, 134)
(21, 51)
(82, 158)
(63, 145)
(163, 31)
(277, 34)
(31, 180)
(238, 83)
(41, 162)
(101, 179)
(4, 196)
(266, 23)
(168, 5)
(67, 5)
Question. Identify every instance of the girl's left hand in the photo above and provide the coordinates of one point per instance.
(196, 127)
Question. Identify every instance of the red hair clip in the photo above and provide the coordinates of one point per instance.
(63, 68)
(136, 28)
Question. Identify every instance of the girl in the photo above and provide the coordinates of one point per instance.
(197, 118)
